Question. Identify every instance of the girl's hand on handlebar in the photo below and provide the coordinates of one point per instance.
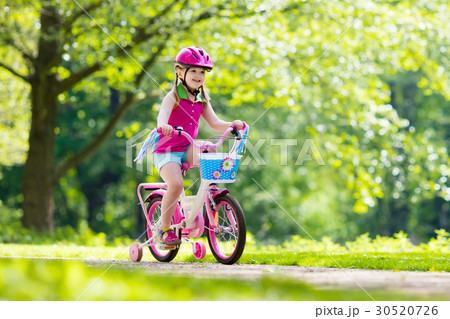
(238, 124)
(166, 129)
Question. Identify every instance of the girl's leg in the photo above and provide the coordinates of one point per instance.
(171, 174)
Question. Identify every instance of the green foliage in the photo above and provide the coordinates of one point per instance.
(12, 231)
(363, 243)
(14, 120)
(369, 87)
(441, 242)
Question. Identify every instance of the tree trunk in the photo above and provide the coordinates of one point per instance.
(41, 173)
(38, 179)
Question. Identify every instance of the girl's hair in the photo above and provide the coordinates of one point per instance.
(205, 95)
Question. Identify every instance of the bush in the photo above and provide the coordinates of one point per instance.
(12, 231)
(399, 243)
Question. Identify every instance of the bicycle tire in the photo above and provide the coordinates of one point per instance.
(154, 209)
(227, 244)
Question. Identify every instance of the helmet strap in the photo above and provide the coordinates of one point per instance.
(193, 92)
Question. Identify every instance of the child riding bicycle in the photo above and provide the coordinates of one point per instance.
(182, 107)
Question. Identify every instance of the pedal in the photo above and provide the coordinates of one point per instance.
(167, 247)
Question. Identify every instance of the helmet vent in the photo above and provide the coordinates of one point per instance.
(195, 56)
(193, 53)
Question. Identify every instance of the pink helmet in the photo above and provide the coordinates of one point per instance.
(194, 56)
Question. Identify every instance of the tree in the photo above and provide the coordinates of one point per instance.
(337, 61)
(298, 69)
(38, 39)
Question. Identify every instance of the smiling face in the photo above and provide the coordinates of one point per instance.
(195, 77)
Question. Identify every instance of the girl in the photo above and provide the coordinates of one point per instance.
(183, 106)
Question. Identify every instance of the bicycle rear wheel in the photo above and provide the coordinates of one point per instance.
(227, 240)
(154, 214)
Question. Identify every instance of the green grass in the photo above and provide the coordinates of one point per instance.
(28, 279)
(381, 261)
(64, 251)
(406, 261)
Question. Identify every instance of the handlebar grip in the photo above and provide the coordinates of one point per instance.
(179, 129)
(235, 130)
(236, 133)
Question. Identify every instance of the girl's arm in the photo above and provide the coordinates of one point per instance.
(216, 123)
(167, 105)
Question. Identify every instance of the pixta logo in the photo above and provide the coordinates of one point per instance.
(286, 152)
(284, 149)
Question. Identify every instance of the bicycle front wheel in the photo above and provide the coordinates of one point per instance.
(227, 239)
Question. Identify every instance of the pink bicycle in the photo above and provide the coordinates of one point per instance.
(212, 210)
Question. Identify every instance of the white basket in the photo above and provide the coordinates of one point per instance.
(219, 167)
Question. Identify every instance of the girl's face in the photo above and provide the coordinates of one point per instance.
(195, 77)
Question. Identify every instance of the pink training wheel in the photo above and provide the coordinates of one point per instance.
(135, 252)
(200, 250)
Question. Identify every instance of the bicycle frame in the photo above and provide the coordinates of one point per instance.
(188, 213)
(191, 206)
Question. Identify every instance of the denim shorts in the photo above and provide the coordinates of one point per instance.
(161, 159)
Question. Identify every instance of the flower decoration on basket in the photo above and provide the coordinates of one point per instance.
(216, 174)
(227, 164)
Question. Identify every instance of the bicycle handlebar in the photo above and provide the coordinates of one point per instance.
(232, 129)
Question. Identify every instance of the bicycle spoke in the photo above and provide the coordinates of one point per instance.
(154, 216)
(226, 234)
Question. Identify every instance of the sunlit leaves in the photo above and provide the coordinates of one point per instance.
(330, 70)
(15, 113)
